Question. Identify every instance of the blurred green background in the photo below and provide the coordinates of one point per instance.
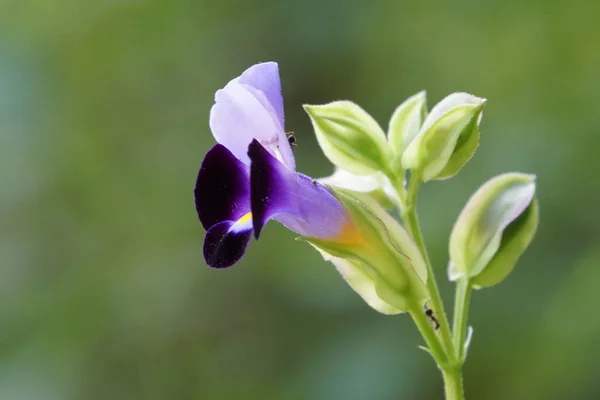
(104, 122)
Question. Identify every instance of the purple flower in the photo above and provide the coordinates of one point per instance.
(249, 177)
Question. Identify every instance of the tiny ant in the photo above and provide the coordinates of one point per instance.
(431, 317)
(291, 137)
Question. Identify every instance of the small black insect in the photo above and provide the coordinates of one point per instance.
(291, 137)
(432, 318)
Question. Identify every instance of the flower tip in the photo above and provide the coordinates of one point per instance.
(522, 176)
(257, 227)
(224, 245)
(252, 147)
(308, 108)
(533, 177)
(532, 181)
(313, 109)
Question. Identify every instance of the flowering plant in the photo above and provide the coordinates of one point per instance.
(249, 178)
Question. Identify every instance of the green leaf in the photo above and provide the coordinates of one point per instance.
(350, 138)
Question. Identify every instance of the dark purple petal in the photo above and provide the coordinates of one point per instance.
(226, 242)
(222, 189)
(297, 201)
(265, 78)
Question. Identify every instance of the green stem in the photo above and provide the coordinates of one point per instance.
(461, 312)
(431, 339)
(409, 215)
(397, 182)
(453, 385)
(447, 353)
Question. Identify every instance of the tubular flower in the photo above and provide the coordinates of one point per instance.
(249, 177)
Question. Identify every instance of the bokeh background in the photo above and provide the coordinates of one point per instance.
(104, 122)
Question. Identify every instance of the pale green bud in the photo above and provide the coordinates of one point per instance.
(494, 229)
(383, 256)
(448, 138)
(405, 125)
(350, 138)
(356, 275)
(376, 185)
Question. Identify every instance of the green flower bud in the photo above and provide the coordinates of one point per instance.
(356, 275)
(376, 185)
(405, 125)
(494, 229)
(385, 261)
(448, 138)
(349, 137)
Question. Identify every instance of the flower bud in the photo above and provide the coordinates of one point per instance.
(494, 229)
(350, 137)
(448, 138)
(376, 185)
(405, 125)
(356, 275)
(385, 262)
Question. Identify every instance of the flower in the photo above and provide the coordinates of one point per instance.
(249, 177)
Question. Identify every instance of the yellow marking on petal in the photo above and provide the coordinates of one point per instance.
(349, 235)
(245, 218)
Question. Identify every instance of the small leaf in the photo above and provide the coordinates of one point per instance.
(350, 138)
(427, 350)
(468, 341)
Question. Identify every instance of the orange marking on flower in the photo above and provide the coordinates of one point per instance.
(349, 235)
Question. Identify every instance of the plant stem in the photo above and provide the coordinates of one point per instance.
(409, 216)
(461, 312)
(433, 342)
(453, 385)
(397, 182)
(447, 352)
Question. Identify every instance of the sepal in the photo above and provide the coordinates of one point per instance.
(386, 252)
